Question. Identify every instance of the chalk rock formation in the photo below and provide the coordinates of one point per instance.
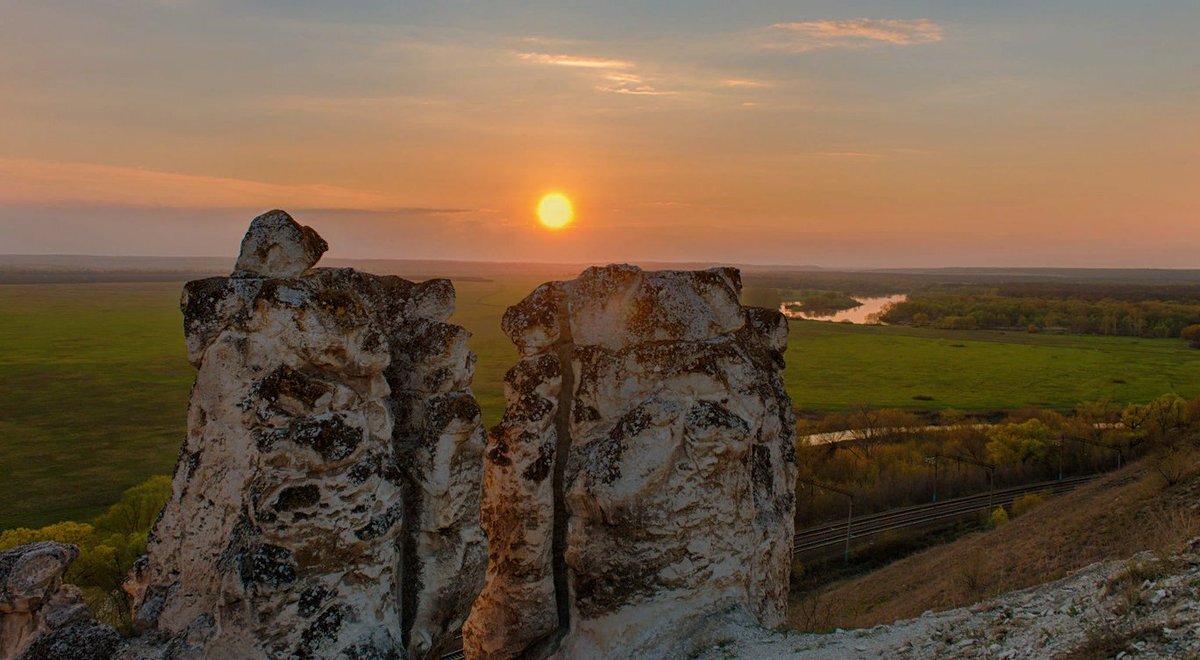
(40, 617)
(277, 246)
(326, 497)
(641, 481)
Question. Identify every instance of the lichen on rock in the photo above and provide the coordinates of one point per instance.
(640, 482)
(325, 500)
(40, 617)
(278, 246)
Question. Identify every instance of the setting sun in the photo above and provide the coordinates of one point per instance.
(554, 211)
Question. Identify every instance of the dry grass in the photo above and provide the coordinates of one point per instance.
(1116, 517)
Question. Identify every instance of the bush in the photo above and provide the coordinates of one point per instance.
(107, 547)
(999, 517)
(1190, 333)
(1027, 502)
(1175, 463)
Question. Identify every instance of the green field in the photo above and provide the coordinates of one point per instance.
(835, 366)
(93, 382)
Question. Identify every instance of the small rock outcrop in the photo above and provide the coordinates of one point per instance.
(278, 246)
(40, 617)
(326, 498)
(640, 485)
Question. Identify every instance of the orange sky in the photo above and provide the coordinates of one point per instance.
(830, 133)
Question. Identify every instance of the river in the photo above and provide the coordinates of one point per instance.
(865, 313)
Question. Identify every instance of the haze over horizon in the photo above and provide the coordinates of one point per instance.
(840, 134)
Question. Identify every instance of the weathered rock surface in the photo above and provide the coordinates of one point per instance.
(639, 488)
(325, 501)
(40, 617)
(1103, 610)
(278, 246)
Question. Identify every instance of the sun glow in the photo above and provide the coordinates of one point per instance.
(554, 211)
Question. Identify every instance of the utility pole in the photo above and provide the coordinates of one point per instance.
(991, 470)
(933, 460)
(849, 509)
(1085, 441)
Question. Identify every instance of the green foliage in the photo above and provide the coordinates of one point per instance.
(107, 547)
(1023, 443)
(137, 509)
(1159, 422)
(998, 517)
(959, 310)
(824, 302)
(63, 532)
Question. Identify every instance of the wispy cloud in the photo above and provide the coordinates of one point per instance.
(616, 75)
(25, 181)
(805, 36)
(576, 61)
(629, 83)
(746, 83)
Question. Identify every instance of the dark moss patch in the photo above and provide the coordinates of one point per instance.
(298, 497)
(311, 600)
(266, 565)
(323, 630)
(330, 436)
(539, 469)
(285, 381)
(380, 524)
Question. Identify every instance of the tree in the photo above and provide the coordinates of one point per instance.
(1020, 444)
(1158, 422)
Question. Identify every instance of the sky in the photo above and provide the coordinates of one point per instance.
(840, 134)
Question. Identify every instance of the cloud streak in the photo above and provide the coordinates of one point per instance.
(616, 75)
(575, 61)
(26, 181)
(806, 36)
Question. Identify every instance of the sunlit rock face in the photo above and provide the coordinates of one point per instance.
(325, 501)
(639, 488)
(40, 617)
(278, 246)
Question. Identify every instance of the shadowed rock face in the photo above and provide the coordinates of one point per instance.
(326, 498)
(40, 617)
(641, 479)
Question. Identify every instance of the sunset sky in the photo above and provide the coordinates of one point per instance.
(861, 134)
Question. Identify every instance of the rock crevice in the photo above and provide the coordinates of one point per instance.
(641, 471)
(326, 497)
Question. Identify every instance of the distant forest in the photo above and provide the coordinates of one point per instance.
(1102, 302)
(992, 310)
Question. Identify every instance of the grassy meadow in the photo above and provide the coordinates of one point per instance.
(94, 384)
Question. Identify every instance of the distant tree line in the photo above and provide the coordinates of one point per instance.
(956, 310)
(889, 462)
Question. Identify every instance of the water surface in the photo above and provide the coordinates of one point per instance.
(867, 312)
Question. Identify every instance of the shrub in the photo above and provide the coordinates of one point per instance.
(999, 517)
(1190, 333)
(107, 547)
(1027, 502)
(1175, 463)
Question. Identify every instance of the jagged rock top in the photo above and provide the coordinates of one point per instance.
(31, 571)
(620, 305)
(278, 246)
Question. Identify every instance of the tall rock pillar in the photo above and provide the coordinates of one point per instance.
(640, 488)
(325, 500)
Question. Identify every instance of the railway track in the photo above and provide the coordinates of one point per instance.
(834, 534)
